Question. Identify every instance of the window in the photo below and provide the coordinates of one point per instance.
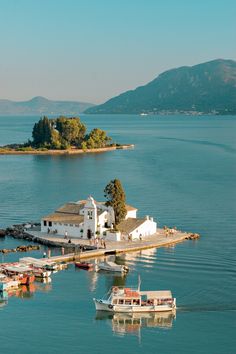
(49, 223)
(44, 222)
(121, 301)
(90, 215)
(127, 302)
(136, 302)
(71, 224)
(114, 301)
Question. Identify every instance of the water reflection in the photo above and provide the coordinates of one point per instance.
(93, 277)
(27, 291)
(3, 302)
(125, 323)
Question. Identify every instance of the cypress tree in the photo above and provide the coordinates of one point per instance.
(42, 132)
(115, 195)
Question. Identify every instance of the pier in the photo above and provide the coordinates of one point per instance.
(159, 239)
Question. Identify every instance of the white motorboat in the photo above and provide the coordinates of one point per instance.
(128, 300)
(41, 273)
(112, 267)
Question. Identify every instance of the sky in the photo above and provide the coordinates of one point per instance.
(92, 50)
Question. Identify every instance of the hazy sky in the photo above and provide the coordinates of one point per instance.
(91, 50)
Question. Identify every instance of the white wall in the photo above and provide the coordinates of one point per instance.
(131, 214)
(72, 231)
(113, 236)
(146, 229)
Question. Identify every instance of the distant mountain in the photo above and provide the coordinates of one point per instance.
(40, 106)
(204, 88)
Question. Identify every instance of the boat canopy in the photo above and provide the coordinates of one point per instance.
(18, 269)
(37, 261)
(162, 294)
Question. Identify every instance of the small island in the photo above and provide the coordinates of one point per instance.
(63, 135)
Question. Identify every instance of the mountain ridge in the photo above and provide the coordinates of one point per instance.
(40, 105)
(205, 88)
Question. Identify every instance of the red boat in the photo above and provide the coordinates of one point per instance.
(23, 278)
(84, 265)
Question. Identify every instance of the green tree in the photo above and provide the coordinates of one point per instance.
(115, 195)
(42, 132)
(97, 139)
(71, 130)
(63, 132)
(56, 142)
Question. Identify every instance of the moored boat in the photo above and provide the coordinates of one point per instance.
(112, 267)
(41, 273)
(21, 273)
(84, 265)
(129, 300)
(46, 264)
(7, 283)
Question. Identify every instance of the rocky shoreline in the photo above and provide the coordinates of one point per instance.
(19, 231)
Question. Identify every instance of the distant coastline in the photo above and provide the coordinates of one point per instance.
(8, 151)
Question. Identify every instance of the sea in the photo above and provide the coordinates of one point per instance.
(182, 171)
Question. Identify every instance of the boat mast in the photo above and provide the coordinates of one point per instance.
(139, 282)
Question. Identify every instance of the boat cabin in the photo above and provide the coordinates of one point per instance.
(129, 297)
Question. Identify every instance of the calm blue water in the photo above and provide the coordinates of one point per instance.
(182, 171)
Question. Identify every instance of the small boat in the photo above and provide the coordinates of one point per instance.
(41, 273)
(84, 265)
(21, 273)
(42, 263)
(52, 266)
(128, 300)
(112, 267)
(7, 283)
(24, 279)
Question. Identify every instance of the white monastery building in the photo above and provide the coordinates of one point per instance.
(88, 219)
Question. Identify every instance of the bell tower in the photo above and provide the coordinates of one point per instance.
(90, 218)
